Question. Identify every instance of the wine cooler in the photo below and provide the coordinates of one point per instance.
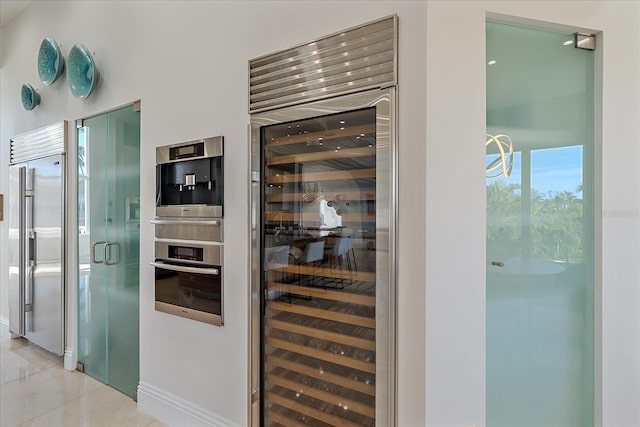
(323, 260)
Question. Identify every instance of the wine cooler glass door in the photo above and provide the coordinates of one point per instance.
(324, 271)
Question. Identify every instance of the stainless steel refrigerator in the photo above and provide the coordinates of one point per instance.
(36, 216)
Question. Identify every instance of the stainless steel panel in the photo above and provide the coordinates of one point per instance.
(187, 229)
(213, 147)
(189, 211)
(212, 252)
(47, 316)
(350, 61)
(43, 142)
(385, 253)
(200, 316)
(16, 247)
(185, 269)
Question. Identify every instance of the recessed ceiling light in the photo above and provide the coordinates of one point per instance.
(492, 62)
(568, 43)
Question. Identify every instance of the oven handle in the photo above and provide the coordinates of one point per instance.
(183, 269)
(182, 222)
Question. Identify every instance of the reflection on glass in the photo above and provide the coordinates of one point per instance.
(319, 234)
(540, 231)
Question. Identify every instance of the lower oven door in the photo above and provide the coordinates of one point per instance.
(191, 292)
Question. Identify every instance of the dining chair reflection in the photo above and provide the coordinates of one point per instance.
(312, 256)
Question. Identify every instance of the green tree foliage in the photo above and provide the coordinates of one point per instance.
(555, 225)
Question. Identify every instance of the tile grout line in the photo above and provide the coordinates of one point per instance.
(61, 405)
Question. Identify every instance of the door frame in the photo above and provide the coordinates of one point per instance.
(597, 155)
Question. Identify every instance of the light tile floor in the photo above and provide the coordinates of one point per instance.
(35, 390)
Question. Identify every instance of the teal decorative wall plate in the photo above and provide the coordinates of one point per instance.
(30, 98)
(50, 61)
(82, 74)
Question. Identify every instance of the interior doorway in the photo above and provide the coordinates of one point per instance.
(108, 247)
(540, 228)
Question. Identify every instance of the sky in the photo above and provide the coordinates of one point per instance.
(552, 170)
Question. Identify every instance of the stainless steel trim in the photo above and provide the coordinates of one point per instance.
(94, 260)
(212, 252)
(22, 243)
(200, 316)
(213, 147)
(63, 248)
(254, 274)
(106, 249)
(189, 211)
(353, 60)
(183, 222)
(184, 269)
(386, 235)
(43, 142)
(392, 388)
(188, 229)
(585, 41)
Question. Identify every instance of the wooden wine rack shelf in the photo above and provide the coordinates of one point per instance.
(321, 176)
(321, 375)
(313, 412)
(322, 334)
(350, 319)
(291, 216)
(342, 296)
(321, 155)
(327, 356)
(331, 398)
(322, 136)
(334, 273)
(328, 195)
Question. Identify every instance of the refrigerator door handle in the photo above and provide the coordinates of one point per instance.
(107, 251)
(94, 260)
(31, 247)
(22, 227)
(28, 301)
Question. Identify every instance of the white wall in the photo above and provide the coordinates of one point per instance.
(187, 62)
(455, 302)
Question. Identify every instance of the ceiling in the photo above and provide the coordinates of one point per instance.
(9, 9)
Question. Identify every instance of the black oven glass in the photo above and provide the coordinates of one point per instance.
(190, 182)
(186, 252)
(195, 291)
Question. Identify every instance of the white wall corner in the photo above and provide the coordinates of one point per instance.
(174, 411)
(4, 321)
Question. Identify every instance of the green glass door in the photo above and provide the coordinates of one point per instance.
(108, 246)
(540, 245)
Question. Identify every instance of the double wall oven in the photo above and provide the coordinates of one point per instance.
(189, 249)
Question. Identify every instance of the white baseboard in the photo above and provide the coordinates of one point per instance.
(174, 411)
(70, 362)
